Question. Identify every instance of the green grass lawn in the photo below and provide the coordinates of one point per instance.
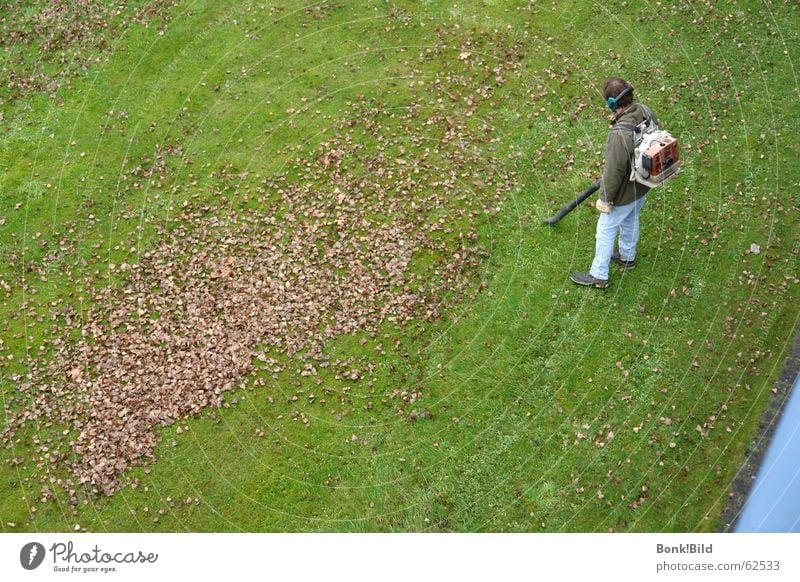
(530, 404)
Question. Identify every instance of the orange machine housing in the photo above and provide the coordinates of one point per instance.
(660, 156)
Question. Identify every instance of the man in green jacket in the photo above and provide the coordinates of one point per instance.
(621, 199)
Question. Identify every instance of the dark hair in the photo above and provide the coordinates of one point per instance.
(613, 87)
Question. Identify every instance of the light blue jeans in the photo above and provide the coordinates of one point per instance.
(623, 220)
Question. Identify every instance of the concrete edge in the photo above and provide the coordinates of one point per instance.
(745, 477)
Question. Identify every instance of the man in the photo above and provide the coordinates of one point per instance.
(621, 199)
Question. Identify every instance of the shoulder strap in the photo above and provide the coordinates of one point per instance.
(648, 114)
(636, 136)
(637, 129)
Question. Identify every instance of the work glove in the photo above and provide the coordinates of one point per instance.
(602, 206)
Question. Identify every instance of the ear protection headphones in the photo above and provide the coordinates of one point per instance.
(612, 101)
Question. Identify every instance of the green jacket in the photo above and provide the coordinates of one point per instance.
(616, 187)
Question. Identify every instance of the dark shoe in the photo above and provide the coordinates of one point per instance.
(617, 258)
(587, 279)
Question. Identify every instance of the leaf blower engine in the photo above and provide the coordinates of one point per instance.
(655, 157)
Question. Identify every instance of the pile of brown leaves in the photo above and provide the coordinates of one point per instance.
(330, 252)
